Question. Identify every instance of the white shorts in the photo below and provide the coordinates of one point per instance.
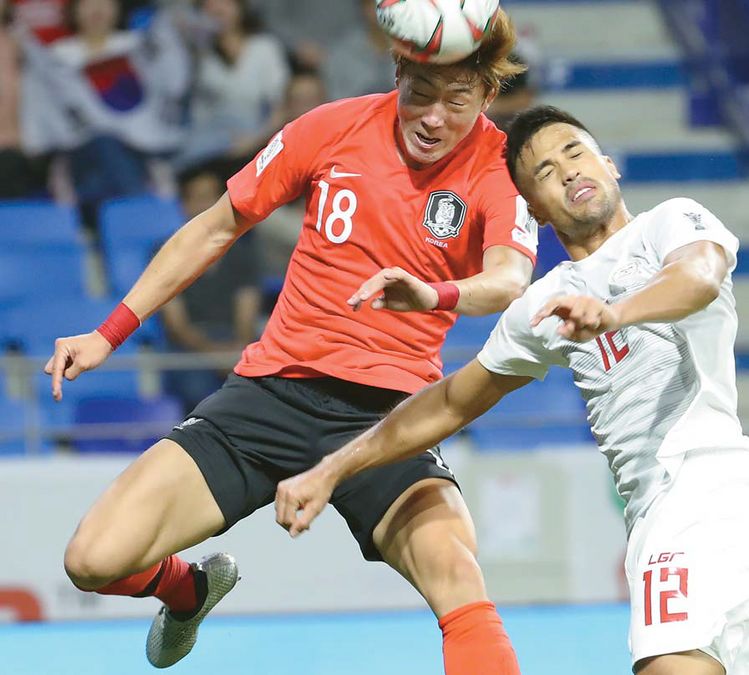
(688, 563)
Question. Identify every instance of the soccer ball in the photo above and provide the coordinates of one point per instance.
(436, 31)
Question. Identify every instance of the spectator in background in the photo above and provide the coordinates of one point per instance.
(307, 27)
(520, 92)
(16, 173)
(360, 62)
(280, 233)
(517, 94)
(45, 18)
(305, 90)
(241, 77)
(219, 312)
(108, 100)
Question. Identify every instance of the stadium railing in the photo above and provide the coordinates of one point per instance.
(141, 412)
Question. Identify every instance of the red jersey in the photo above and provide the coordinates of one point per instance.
(365, 210)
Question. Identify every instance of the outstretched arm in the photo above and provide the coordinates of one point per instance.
(181, 260)
(416, 425)
(505, 275)
(689, 281)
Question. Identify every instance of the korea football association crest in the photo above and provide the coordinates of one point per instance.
(445, 214)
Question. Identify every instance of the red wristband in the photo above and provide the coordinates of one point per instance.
(119, 325)
(447, 295)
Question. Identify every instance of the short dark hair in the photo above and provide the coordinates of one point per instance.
(526, 124)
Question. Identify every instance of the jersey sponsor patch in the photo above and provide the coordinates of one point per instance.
(445, 214)
(696, 220)
(629, 277)
(271, 151)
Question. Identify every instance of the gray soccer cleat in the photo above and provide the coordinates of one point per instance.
(169, 639)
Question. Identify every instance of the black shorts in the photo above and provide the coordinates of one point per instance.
(254, 432)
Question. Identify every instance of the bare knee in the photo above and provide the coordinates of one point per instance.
(428, 536)
(90, 566)
(448, 576)
(453, 565)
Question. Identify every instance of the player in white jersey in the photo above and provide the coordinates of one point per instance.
(644, 316)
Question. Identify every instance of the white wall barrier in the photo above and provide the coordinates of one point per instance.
(548, 526)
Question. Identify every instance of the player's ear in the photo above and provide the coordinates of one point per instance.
(534, 213)
(535, 210)
(612, 168)
(491, 94)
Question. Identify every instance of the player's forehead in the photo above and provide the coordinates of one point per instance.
(455, 79)
(552, 140)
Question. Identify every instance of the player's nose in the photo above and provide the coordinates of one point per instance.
(570, 174)
(433, 117)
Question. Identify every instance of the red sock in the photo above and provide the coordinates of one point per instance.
(474, 642)
(171, 581)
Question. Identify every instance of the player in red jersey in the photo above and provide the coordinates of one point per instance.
(409, 192)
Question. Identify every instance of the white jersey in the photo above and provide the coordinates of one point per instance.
(653, 391)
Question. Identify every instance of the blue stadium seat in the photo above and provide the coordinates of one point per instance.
(124, 265)
(144, 221)
(149, 418)
(132, 229)
(92, 384)
(55, 415)
(41, 271)
(16, 415)
(471, 330)
(124, 268)
(7, 308)
(38, 222)
(13, 414)
(541, 413)
(57, 418)
(465, 339)
(34, 324)
(449, 367)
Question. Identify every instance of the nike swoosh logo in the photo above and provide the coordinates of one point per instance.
(341, 174)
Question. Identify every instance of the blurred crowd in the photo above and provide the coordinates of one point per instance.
(103, 99)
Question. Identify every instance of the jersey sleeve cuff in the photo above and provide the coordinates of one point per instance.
(234, 189)
(514, 367)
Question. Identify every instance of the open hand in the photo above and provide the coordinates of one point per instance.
(395, 289)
